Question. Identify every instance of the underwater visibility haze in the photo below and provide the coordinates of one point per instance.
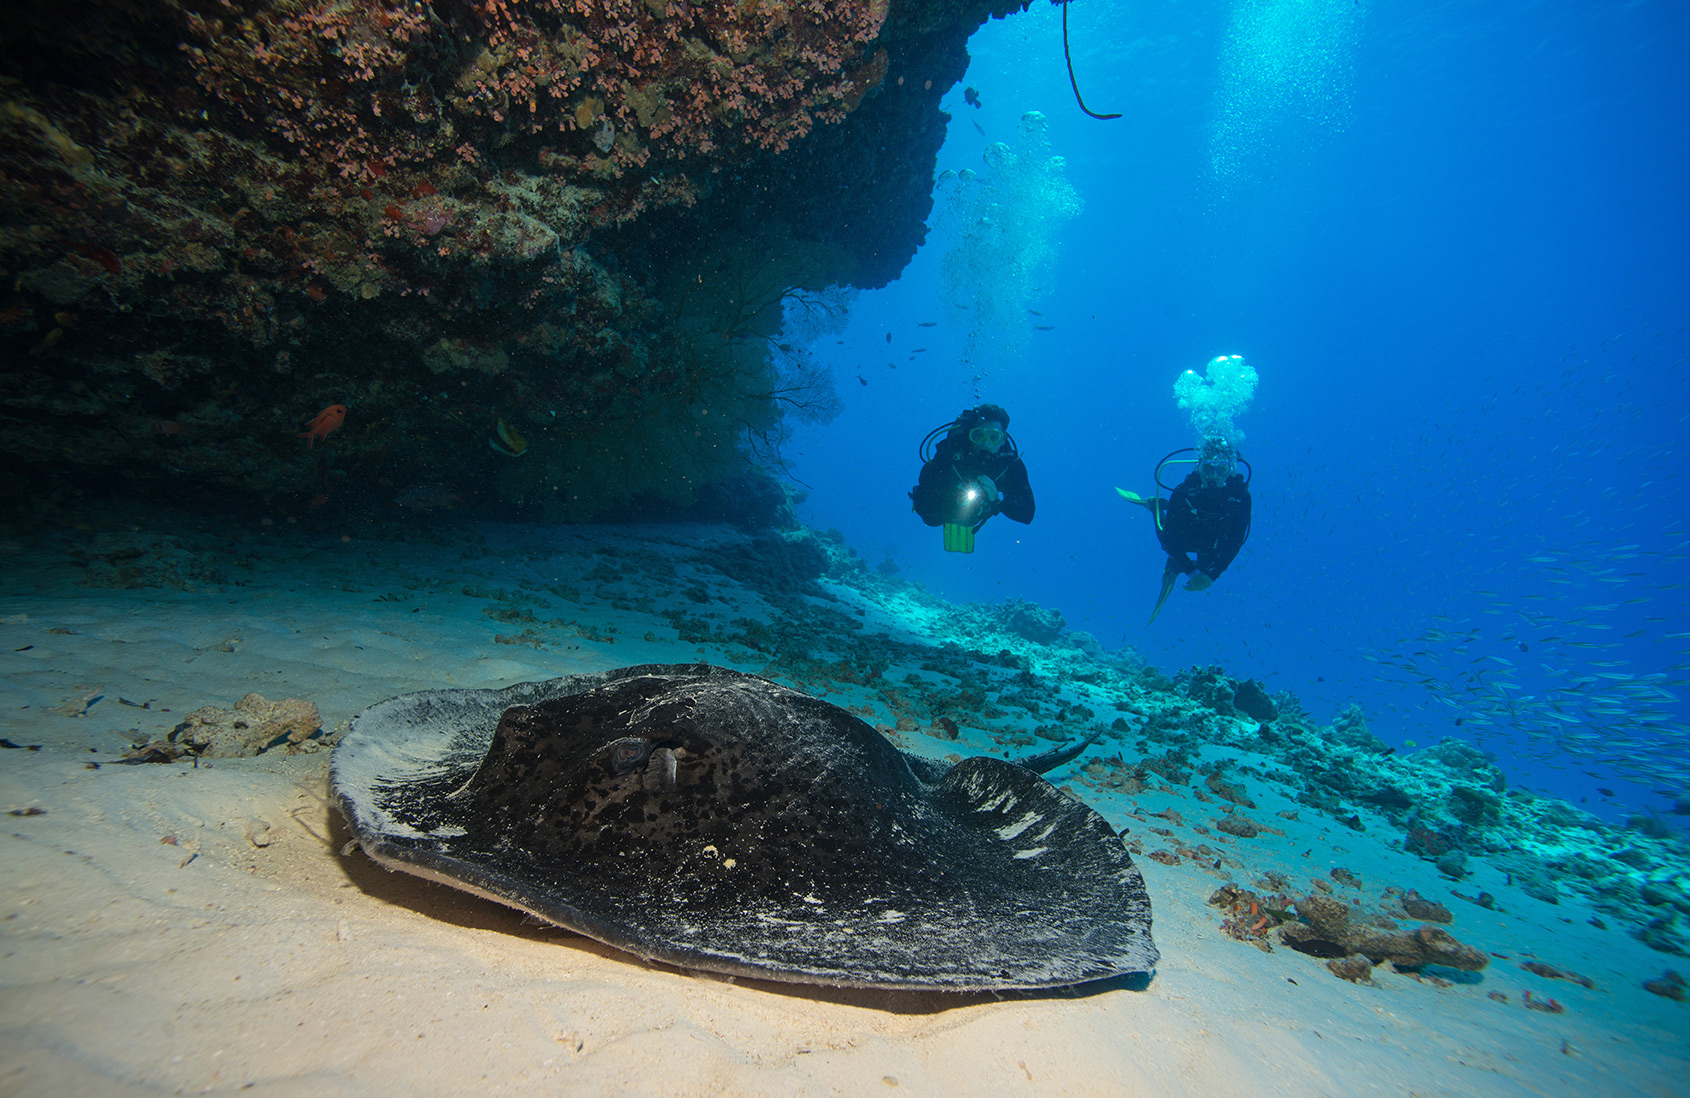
(1451, 241)
(523, 402)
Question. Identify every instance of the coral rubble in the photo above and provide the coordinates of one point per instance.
(1669, 985)
(255, 725)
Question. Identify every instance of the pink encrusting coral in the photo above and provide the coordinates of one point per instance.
(638, 77)
(319, 74)
(624, 103)
(689, 77)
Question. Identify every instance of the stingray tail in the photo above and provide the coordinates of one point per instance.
(1046, 762)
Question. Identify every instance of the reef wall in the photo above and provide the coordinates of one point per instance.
(539, 249)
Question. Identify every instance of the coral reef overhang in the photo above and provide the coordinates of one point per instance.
(582, 220)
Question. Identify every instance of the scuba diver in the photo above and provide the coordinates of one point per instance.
(971, 474)
(1207, 516)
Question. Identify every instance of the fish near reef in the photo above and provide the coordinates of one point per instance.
(324, 424)
(47, 343)
(510, 442)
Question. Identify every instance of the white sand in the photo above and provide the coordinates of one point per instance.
(176, 929)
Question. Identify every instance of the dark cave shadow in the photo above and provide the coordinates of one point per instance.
(471, 912)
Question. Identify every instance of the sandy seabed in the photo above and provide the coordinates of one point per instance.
(182, 928)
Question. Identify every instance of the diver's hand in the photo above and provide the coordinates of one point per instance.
(1199, 581)
(989, 489)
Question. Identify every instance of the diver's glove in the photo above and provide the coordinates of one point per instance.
(1199, 581)
(989, 490)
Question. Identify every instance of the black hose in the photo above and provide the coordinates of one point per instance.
(1066, 56)
(922, 450)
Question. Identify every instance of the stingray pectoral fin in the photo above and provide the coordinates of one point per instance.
(987, 878)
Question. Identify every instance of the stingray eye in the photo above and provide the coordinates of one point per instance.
(628, 754)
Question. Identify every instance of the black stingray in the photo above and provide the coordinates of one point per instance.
(719, 821)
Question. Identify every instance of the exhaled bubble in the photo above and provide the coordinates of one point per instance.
(1001, 226)
(1213, 398)
(1286, 70)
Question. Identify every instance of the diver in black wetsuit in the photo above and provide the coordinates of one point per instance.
(1206, 517)
(973, 473)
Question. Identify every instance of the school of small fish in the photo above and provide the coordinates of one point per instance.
(1565, 684)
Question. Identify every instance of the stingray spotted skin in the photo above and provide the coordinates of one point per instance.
(718, 821)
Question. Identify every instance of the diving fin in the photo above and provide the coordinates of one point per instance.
(1169, 577)
(1134, 497)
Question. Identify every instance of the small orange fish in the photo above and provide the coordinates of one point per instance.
(326, 423)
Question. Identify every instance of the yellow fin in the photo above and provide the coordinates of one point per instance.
(515, 444)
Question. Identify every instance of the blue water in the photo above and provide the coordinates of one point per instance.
(1454, 242)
